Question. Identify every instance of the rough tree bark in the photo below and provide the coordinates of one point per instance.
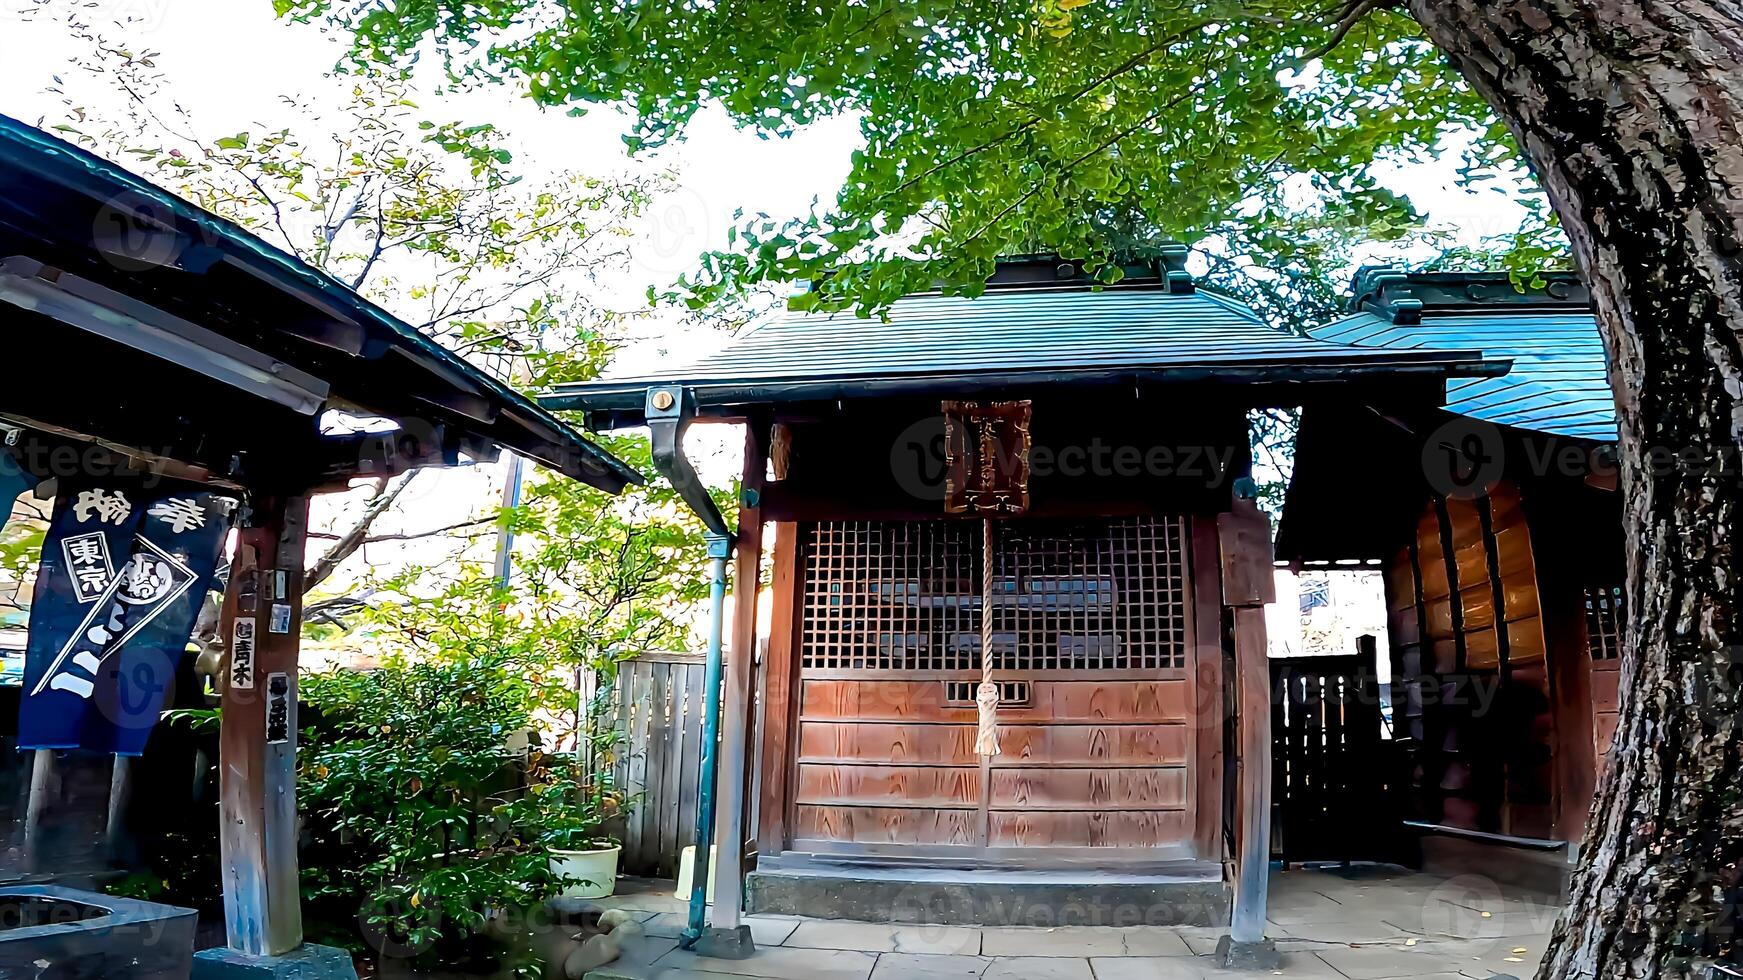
(1631, 112)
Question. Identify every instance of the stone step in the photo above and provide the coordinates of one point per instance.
(1181, 893)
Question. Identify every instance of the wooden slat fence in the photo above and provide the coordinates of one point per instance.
(659, 712)
(1330, 768)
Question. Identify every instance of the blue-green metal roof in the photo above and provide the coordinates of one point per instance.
(40, 174)
(1020, 335)
(1558, 383)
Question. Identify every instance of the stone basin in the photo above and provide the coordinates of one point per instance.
(52, 933)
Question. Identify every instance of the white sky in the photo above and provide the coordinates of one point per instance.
(228, 61)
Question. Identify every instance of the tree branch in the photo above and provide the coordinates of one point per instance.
(1352, 13)
(1036, 119)
(413, 535)
(353, 539)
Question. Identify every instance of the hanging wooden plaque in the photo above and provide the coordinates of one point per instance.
(986, 455)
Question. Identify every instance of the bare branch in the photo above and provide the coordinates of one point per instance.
(415, 535)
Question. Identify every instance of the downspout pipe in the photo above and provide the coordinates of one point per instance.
(669, 411)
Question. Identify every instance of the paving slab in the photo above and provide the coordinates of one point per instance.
(921, 966)
(883, 937)
(771, 930)
(1473, 958)
(1442, 919)
(1202, 940)
(1084, 941)
(1362, 933)
(766, 930)
(1298, 966)
(1038, 968)
(671, 973)
(644, 901)
(1148, 967)
(778, 963)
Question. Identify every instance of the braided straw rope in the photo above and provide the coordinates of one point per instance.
(986, 698)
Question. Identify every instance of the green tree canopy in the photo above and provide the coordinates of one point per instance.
(1252, 130)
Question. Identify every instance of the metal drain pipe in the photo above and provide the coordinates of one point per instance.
(669, 411)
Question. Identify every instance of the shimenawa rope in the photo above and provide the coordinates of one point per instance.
(986, 698)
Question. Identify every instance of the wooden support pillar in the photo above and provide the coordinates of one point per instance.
(1248, 585)
(120, 797)
(257, 741)
(739, 702)
(41, 774)
(780, 680)
(779, 671)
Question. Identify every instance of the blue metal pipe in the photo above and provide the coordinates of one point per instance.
(719, 548)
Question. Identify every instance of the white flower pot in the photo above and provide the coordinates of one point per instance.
(597, 869)
(687, 872)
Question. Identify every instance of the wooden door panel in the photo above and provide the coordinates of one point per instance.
(1145, 701)
(1099, 789)
(1095, 621)
(887, 825)
(1141, 828)
(1123, 745)
(930, 786)
(881, 700)
(824, 741)
(1050, 701)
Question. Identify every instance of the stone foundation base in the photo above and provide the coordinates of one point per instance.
(303, 963)
(1254, 957)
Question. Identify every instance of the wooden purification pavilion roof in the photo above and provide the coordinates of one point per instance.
(1040, 323)
(1360, 474)
(146, 325)
(1558, 384)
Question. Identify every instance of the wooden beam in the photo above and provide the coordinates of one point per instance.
(1253, 670)
(739, 703)
(1561, 600)
(1211, 713)
(780, 673)
(1248, 576)
(257, 739)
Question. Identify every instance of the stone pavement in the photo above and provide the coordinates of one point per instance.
(1361, 923)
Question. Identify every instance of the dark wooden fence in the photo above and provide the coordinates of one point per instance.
(1331, 765)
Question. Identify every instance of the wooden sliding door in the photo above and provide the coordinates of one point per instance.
(1092, 641)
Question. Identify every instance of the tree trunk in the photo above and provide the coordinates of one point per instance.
(1631, 112)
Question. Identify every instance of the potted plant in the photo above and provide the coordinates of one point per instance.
(572, 817)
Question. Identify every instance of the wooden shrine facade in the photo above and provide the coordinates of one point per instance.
(1495, 521)
(1113, 603)
(1094, 651)
(1105, 657)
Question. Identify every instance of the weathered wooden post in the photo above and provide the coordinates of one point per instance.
(1248, 585)
(257, 836)
(727, 937)
(120, 797)
(41, 775)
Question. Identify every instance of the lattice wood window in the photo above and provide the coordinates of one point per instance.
(963, 692)
(906, 596)
(1605, 617)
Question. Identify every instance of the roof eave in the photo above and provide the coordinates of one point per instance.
(87, 174)
(623, 400)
